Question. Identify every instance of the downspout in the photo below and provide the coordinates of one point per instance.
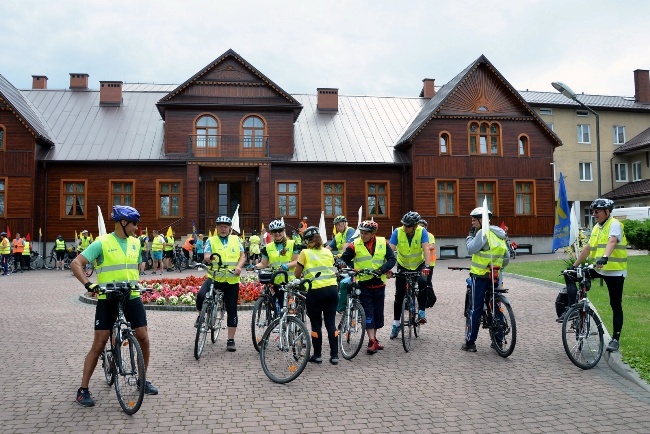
(611, 170)
(44, 250)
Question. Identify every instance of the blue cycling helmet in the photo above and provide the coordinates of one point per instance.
(223, 219)
(128, 213)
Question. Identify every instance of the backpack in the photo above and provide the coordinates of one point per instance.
(431, 297)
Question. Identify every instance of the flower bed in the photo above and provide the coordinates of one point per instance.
(182, 291)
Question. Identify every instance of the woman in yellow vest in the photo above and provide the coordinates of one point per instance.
(323, 295)
(280, 253)
(27, 255)
(59, 250)
(117, 256)
(254, 249)
(488, 248)
(608, 248)
(370, 251)
(411, 243)
(5, 252)
(232, 253)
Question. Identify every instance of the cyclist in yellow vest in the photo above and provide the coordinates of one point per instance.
(323, 295)
(59, 250)
(370, 251)
(157, 246)
(27, 255)
(411, 243)
(254, 249)
(168, 251)
(343, 236)
(488, 248)
(608, 248)
(117, 256)
(5, 252)
(232, 253)
(84, 241)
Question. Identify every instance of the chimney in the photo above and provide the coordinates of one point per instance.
(428, 88)
(642, 86)
(110, 93)
(78, 81)
(39, 82)
(328, 99)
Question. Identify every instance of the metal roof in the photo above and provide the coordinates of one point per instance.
(637, 143)
(363, 130)
(24, 110)
(593, 101)
(86, 131)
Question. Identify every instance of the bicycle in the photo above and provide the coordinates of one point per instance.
(122, 359)
(36, 260)
(266, 307)
(582, 328)
(50, 261)
(352, 328)
(409, 324)
(285, 344)
(179, 260)
(212, 311)
(497, 316)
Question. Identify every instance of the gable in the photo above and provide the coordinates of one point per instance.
(483, 94)
(229, 81)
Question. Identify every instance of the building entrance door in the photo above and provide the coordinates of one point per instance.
(221, 198)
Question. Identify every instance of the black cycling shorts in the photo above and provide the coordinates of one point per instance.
(106, 313)
(168, 254)
(60, 254)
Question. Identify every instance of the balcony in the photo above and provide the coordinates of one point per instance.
(220, 146)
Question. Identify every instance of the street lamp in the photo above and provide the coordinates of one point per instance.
(566, 91)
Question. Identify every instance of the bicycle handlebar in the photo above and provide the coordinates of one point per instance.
(578, 271)
(363, 272)
(296, 284)
(121, 286)
(458, 268)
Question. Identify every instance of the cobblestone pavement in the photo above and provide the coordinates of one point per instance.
(46, 332)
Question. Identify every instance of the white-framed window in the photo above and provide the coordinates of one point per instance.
(621, 172)
(550, 126)
(585, 172)
(582, 113)
(546, 111)
(636, 171)
(584, 133)
(619, 134)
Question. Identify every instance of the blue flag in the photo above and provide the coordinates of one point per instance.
(561, 233)
(193, 230)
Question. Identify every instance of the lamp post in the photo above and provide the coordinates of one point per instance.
(566, 91)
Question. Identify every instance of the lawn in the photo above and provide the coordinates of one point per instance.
(636, 305)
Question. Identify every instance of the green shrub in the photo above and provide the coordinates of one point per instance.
(638, 233)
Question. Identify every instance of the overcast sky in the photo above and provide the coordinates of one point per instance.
(381, 48)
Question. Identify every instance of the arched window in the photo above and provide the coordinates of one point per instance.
(207, 132)
(524, 147)
(445, 143)
(253, 132)
(484, 138)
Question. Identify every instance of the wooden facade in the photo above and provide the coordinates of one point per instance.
(218, 170)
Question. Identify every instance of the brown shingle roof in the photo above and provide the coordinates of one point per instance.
(631, 189)
(637, 143)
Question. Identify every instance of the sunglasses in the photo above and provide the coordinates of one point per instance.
(277, 231)
(408, 226)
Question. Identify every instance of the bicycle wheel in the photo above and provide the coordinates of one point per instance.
(503, 330)
(202, 329)
(406, 324)
(107, 364)
(89, 269)
(582, 337)
(262, 317)
(36, 262)
(352, 330)
(415, 309)
(284, 353)
(130, 377)
(50, 262)
(216, 320)
(66, 262)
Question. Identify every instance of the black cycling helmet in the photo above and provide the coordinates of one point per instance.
(223, 220)
(339, 219)
(424, 223)
(602, 203)
(3, 234)
(310, 232)
(128, 213)
(411, 218)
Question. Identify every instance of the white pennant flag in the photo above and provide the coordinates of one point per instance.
(235, 221)
(321, 228)
(356, 233)
(574, 232)
(101, 226)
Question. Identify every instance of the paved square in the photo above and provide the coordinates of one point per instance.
(46, 333)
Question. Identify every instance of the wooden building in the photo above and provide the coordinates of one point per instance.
(230, 136)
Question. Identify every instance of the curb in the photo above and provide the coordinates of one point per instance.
(165, 307)
(613, 360)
